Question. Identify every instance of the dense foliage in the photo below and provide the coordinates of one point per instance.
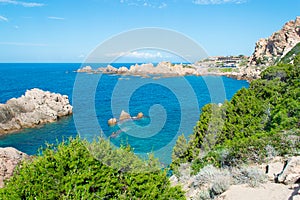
(256, 124)
(80, 170)
(291, 54)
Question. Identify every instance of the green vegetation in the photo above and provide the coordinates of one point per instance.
(290, 55)
(224, 70)
(214, 181)
(76, 169)
(256, 124)
(187, 66)
(243, 62)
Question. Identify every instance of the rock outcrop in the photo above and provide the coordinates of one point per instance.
(112, 121)
(86, 69)
(140, 115)
(34, 108)
(9, 159)
(124, 116)
(166, 69)
(290, 173)
(268, 51)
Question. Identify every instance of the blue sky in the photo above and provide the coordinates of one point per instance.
(68, 30)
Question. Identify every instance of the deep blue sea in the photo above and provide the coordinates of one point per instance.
(171, 105)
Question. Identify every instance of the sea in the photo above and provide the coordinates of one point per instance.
(171, 105)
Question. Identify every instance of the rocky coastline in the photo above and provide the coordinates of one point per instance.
(34, 108)
(168, 69)
(165, 69)
(267, 52)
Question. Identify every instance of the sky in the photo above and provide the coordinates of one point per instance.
(69, 30)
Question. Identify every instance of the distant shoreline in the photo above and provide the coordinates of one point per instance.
(168, 69)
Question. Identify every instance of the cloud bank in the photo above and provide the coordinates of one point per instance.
(22, 3)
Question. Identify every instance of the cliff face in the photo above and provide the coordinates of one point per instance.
(268, 51)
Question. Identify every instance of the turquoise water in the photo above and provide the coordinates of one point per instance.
(171, 105)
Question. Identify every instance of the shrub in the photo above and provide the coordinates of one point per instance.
(214, 180)
(70, 171)
(204, 195)
(220, 185)
(249, 175)
(210, 174)
(255, 120)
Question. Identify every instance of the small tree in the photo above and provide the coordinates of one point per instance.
(297, 60)
(180, 150)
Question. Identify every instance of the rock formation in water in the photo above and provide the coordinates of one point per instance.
(9, 159)
(163, 68)
(124, 116)
(140, 115)
(32, 109)
(112, 121)
(268, 51)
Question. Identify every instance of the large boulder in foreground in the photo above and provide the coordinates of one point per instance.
(32, 109)
(9, 159)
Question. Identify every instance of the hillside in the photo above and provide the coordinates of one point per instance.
(270, 50)
(257, 124)
(289, 57)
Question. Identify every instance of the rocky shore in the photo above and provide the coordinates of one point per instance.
(34, 108)
(267, 52)
(167, 69)
(9, 159)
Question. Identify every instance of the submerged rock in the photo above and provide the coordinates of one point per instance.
(34, 108)
(9, 159)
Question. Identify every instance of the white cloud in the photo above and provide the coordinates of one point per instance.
(2, 18)
(145, 3)
(22, 3)
(23, 44)
(145, 55)
(217, 2)
(140, 55)
(56, 18)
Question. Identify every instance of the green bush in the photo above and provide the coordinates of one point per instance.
(70, 171)
(290, 55)
(256, 118)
